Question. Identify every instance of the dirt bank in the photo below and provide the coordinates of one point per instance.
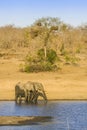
(23, 120)
(68, 83)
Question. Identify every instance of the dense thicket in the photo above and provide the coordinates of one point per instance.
(47, 34)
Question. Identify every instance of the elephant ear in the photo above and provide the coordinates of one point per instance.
(38, 86)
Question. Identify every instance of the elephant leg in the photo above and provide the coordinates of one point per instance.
(20, 99)
(31, 97)
(35, 101)
(27, 96)
(26, 99)
(16, 98)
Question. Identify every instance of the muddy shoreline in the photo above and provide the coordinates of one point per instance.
(23, 120)
(1, 100)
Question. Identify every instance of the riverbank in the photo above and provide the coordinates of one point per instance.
(69, 83)
(23, 120)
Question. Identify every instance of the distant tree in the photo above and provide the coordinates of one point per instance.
(48, 22)
(48, 25)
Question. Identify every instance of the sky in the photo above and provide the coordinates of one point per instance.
(23, 13)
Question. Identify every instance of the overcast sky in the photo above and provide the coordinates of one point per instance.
(23, 13)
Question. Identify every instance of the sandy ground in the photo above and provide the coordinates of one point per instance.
(23, 120)
(68, 83)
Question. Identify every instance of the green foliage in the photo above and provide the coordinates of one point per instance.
(67, 59)
(39, 63)
(39, 67)
(71, 59)
(78, 50)
(51, 55)
(41, 54)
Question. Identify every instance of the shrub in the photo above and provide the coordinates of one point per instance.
(41, 54)
(40, 63)
(51, 55)
(78, 50)
(67, 59)
(71, 59)
(38, 67)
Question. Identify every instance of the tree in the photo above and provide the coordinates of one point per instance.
(48, 22)
(48, 25)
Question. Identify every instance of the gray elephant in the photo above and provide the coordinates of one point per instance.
(31, 91)
(19, 92)
(34, 91)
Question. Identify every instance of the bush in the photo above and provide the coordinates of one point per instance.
(41, 54)
(51, 55)
(40, 63)
(40, 67)
(78, 50)
(71, 59)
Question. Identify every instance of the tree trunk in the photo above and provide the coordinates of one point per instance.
(45, 52)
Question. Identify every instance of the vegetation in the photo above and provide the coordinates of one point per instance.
(40, 63)
(47, 42)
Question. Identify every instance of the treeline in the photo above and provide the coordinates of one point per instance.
(49, 32)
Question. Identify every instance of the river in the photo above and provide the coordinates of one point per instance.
(66, 115)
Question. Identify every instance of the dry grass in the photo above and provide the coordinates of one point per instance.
(68, 83)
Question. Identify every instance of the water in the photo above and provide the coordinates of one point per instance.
(67, 115)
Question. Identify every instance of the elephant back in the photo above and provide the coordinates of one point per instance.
(38, 86)
(29, 86)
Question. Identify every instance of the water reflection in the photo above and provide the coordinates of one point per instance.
(66, 115)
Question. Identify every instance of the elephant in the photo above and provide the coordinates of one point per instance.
(19, 91)
(40, 91)
(31, 91)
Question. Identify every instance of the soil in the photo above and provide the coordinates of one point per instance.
(69, 83)
(23, 120)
